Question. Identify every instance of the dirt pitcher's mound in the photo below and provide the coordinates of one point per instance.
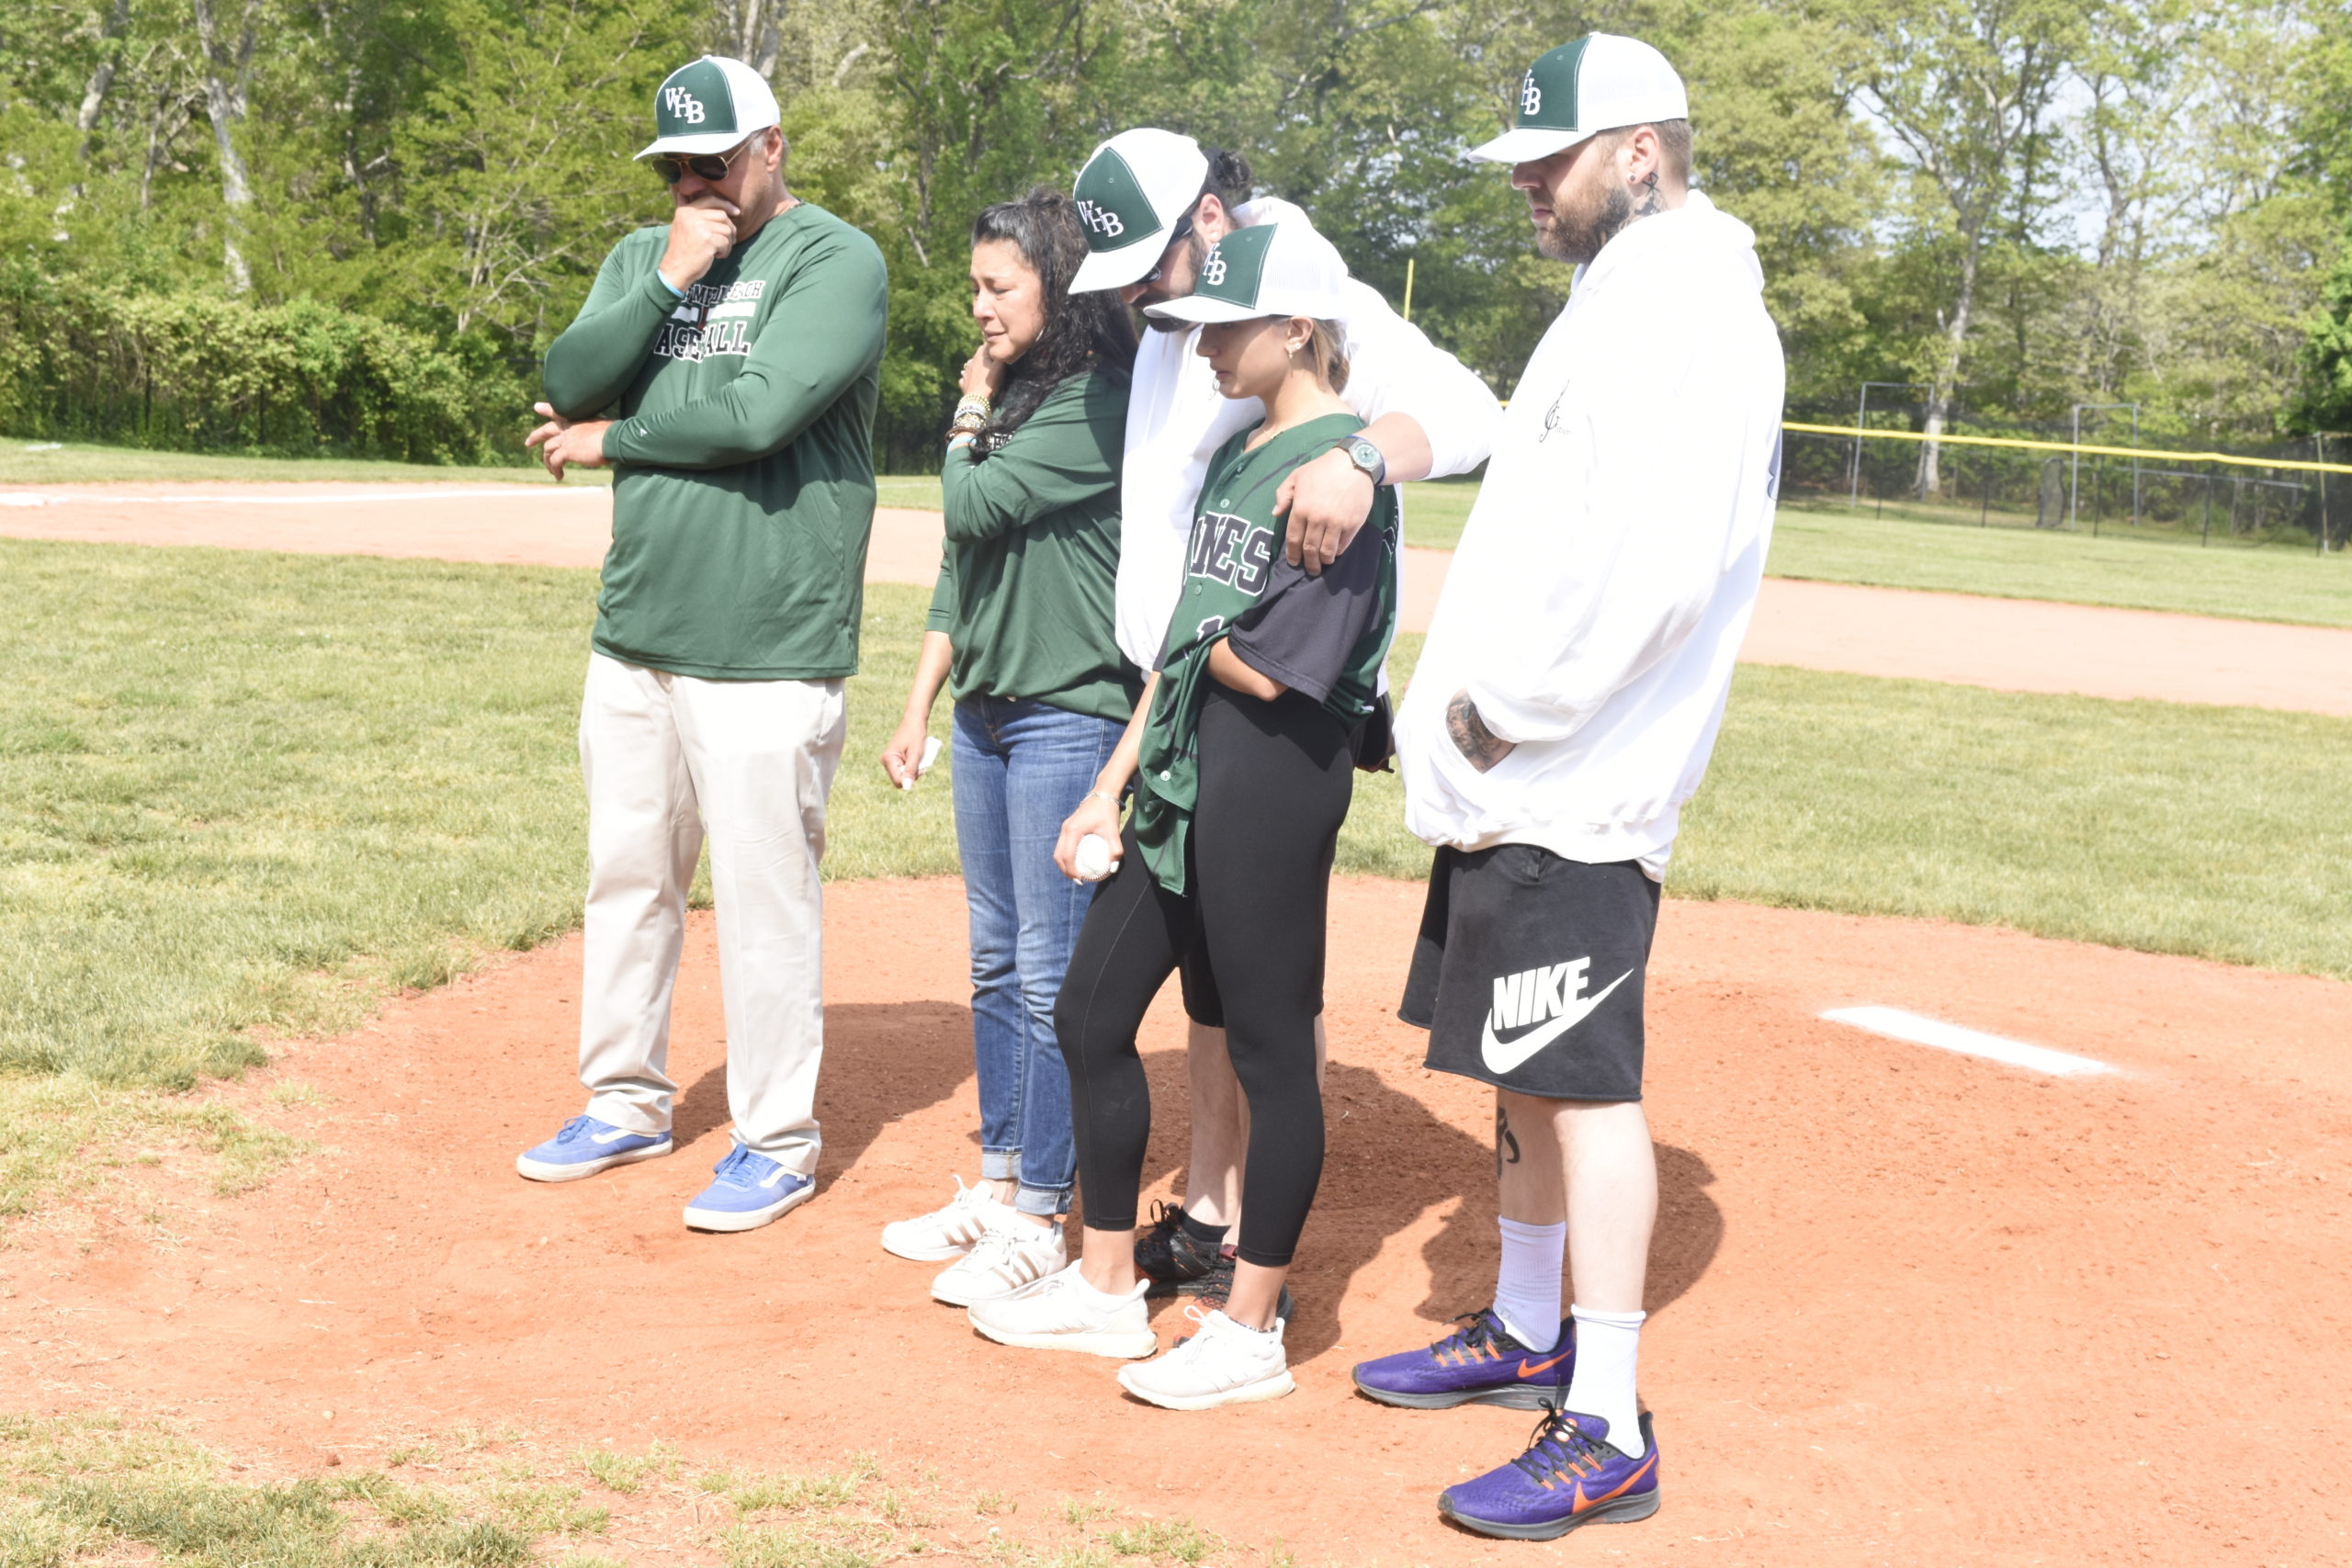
(1909, 1307)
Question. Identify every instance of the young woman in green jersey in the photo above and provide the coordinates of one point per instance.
(1021, 635)
(1242, 755)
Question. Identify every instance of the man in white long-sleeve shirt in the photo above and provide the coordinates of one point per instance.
(1154, 203)
(1564, 709)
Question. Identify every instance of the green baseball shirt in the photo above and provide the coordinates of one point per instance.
(1322, 636)
(741, 446)
(1032, 564)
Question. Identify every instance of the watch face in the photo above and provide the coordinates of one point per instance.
(1364, 455)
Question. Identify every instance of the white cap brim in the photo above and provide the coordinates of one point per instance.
(1116, 269)
(1526, 146)
(696, 146)
(1196, 308)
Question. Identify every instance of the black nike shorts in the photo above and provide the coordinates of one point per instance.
(1528, 971)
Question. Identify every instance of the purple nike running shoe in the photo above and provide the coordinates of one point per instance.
(1570, 1475)
(1480, 1363)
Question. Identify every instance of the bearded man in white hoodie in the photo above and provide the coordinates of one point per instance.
(1564, 709)
(1154, 204)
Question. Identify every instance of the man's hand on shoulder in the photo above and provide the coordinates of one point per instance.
(1470, 735)
(562, 442)
(701, 231)
(1324, 503)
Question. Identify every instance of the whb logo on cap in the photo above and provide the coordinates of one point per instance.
(1234, 270)
(1555, 77)
(695, 100)
(1112, 204)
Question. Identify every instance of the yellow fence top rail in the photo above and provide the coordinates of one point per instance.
(2076, 448)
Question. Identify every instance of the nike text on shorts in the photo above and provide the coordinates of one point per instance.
(1528, 971)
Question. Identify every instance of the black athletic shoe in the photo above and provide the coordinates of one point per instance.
(1170, 1258)
(1213, 1289)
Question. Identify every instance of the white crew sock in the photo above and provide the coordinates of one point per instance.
(1527, 1286)
(1609, 1347)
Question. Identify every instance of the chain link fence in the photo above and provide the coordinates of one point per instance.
(2156, 494)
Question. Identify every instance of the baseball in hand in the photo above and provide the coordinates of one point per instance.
(930, 755)
(1093, 858)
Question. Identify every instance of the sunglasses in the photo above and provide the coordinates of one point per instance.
(1176, 237)
(705, 166)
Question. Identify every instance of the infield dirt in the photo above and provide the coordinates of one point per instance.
(1909, 1307)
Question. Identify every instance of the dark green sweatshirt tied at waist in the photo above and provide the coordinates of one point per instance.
(741, 447)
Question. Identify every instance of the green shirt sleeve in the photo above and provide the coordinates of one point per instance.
(826, 331)
(1067, 452)
(598, 355)
(942, 595)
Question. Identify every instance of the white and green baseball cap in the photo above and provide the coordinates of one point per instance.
(1131, 195)
(1599, 82)
(1267, 269)
(710, 107)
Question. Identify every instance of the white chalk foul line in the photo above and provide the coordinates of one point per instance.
(1898, 1024)
(34, 498)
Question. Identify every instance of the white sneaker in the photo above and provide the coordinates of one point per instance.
(1062, 1311)
(1224, 1363)
(1011, 1255)
(949, 1231)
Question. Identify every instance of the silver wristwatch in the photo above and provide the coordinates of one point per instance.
(1365, 455)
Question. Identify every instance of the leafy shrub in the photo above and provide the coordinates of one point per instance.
(206, 370)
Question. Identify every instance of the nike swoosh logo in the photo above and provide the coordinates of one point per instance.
(1502, 1058)
(1580, 1503)
(1539, 1367)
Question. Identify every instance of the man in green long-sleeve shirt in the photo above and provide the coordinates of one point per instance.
(725, 366)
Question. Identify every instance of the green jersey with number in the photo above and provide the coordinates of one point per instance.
(1323, 636)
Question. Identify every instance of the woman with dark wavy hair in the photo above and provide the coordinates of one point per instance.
(1021, 635)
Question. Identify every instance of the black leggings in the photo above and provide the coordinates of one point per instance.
(1276, 778)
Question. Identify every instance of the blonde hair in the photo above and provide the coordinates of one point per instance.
(1328, 343)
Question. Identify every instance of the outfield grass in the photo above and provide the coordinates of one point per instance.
(1825, 541)
(242, 790)
(39, 462)
(2206, 831)
(100, 1489)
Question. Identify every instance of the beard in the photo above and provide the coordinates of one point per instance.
(1196, 251)
(1579, 226)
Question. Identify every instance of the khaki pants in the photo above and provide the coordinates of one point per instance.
(667, 759)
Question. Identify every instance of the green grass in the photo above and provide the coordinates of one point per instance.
(1823, 541)
(2207, 832)
(100, 1489)
(38, 462)
(244, 791)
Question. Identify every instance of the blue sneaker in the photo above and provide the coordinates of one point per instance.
(583, 1145)
(1478, 1364)
(750, 1191)
(1570, 1475)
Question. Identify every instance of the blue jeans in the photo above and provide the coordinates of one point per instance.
(1020, 767)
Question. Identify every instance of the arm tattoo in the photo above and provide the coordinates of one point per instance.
(1470, 735)
(1504, 1141)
